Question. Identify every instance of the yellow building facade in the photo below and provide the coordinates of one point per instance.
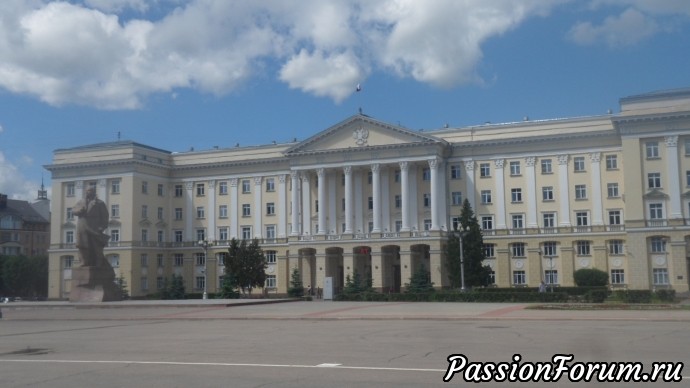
(552, 196)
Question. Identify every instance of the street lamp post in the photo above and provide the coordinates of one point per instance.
(205, 244)
(551, 269)
(461, 234)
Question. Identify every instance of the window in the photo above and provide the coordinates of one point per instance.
(370, 203)
(144, 235)
(398, 201)
(654, 180)
(271, 257)
(178, 259)
(144, 187)
(160, 190)
(457, 198)
(652, 149)
(342, 203)
(270, 232)
(658, 245)
(115, 235)
(160, 261)
(518, 221)
(580, 191)
(200, 234)
(246, 210)
(492, 277)
(616, 247)
(159, 213)
(200, 190)
(115, 211)
(486, 196)
(270, 208)
(178, 235)
(223, 234)
(246, 232)
(614, 217)
(396, 176)
(611, 162)
(144, 211)
(484, 170)
(551, 276)
(455, 172)
(246, 186)
(70, 214)
(656, 211)
(517, 249)
(178, 213)
(200, 282)
(583, 248)
(115, 186)
(178, 191)
(515, 168)
(516, 195)
(270, 185)
(487, 222)
(114, 260)
(144, 260)
(612, 190)
(687, 146)
(161, 236)
(426, 174)
(200, 213)
(199, 259)
(370, 177)
(223, 211)
(398, 226)
(660, 276)
(160, 283)
(427, 224)
(550, 249)
(489, 250)
(427, 199)
(549, 220)
(617, 276)
(519, 278)
(69, 237)
(223, 188)
(582, 218)
(547, 193)
(579, 164)
(270, 281)
(69, 190)
(687, 178)
(546, 166)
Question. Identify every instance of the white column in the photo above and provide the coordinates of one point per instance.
(597, 211)
(234, 209)
(321, 174)
(564, 191)
(405, 196)
(532, 192)
(258, 210)
(500, 195)
(376, 192)
(211, 211)
(306, 203)
(359, 208)
(672, 167)
(294, 176)
(435, 197)
(470, 187)
(282, 207)
(332, 203)
(385, 201)
(348, 199)
(189, 210)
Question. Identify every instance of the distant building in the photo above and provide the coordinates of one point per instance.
(551, 196)
(23, 228)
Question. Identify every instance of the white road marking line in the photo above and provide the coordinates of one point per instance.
(334, 366)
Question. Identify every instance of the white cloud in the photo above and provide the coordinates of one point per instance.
(83, 53)
(627, 29)
(13, 183)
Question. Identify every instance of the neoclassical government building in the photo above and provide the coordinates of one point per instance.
(552, 196)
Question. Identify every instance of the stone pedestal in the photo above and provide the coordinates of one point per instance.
(94, 284)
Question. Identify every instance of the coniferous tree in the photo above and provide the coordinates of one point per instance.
(296, 288)
(177, 289)
(419, 282)
(247, 264)
(476, 273)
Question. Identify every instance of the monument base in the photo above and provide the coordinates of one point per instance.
(94, 284)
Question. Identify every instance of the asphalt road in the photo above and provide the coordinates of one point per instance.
(315, 344)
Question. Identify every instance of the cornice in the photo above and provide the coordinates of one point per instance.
(100, 164)
(536, 139)
(366, 149)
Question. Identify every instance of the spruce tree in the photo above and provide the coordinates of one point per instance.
(419, 282)
(476, 273)
(296, 288)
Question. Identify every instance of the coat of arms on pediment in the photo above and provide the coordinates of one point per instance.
(361, 135)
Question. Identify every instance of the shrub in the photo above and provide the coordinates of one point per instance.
(591, 277)
(633, 296)
(596, 295)
(665, 295)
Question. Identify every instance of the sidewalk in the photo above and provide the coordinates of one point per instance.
(287, 309)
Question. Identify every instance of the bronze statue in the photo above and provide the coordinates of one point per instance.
(93, 220)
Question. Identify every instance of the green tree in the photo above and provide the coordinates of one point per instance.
(420, 282)
(24, 276)
(122, 284)
(591, 277)
(355, 284)
(229, 287)
(247, 263)
(177, 289)
(296, 288)
(476, 273)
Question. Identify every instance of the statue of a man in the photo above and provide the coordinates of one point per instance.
(93, 220)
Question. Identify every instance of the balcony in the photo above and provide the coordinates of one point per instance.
(657, 223)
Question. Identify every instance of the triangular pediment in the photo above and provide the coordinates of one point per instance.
(656, 194)
(361, 132)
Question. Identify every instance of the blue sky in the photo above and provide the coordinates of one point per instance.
(176, 74)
